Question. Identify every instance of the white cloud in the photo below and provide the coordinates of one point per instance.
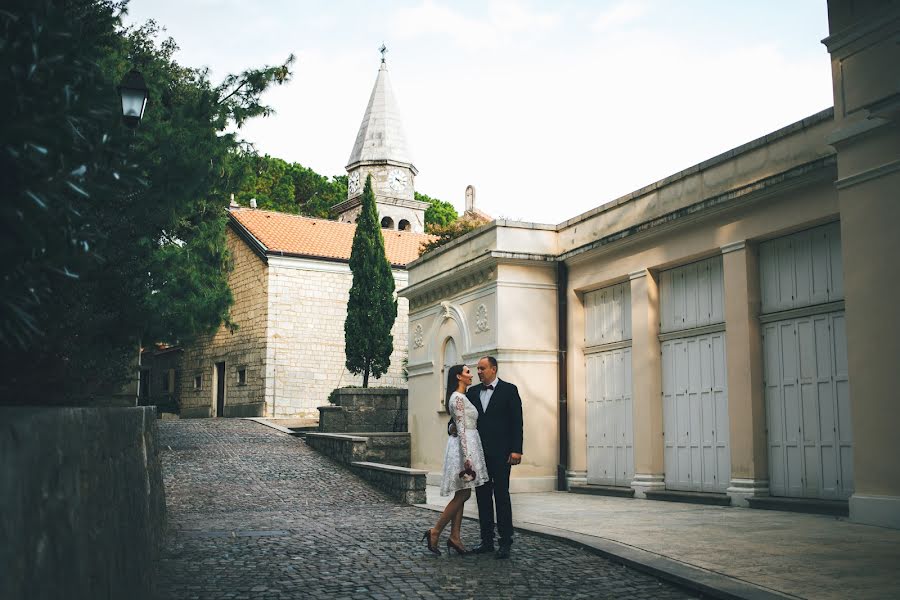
(619, 15)
(504, 19)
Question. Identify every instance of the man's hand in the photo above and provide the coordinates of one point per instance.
(451, 429)
(514, 458)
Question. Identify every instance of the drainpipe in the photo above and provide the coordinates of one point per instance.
(562, 323)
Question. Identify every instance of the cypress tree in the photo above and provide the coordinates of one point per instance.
(372, 308)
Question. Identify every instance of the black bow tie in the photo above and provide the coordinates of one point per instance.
(488, 387)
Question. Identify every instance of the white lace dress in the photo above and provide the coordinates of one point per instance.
(466, 444)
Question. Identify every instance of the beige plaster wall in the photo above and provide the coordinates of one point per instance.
(523, 342)
(780, 213)
(245, 348)
(866, 133)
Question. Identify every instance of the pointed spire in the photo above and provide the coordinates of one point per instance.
(381, 135)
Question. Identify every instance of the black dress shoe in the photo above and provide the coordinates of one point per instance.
(502, 552)
(482, 548)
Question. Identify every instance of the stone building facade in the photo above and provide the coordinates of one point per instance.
(291, 283)
(243, 351)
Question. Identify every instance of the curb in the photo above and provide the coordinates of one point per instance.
(709, 584)
(262, 421)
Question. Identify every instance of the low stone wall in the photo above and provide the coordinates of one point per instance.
(401, 483)
(82, 506)
(384, 448)
(365, 410)
(367, 455)
(339, 446)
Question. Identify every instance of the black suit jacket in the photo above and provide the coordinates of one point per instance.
(500, 427)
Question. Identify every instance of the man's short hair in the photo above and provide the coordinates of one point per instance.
(492, 361)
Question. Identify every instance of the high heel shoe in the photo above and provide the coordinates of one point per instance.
(427, 539)
(460, 549)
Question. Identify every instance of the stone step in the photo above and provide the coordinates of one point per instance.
(601, 490)
(689, 497)
(302, 431)
(818, 506)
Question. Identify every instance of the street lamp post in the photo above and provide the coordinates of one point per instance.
(134, 94)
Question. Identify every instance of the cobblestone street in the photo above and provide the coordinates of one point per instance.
(253, 513)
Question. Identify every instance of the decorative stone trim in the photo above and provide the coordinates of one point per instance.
(637, 274)
(481, 319)
(644, 483)
(418, 336)
(734, 246)
(452, 287)
(741, 489)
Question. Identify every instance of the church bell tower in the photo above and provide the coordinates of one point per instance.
(381, 150)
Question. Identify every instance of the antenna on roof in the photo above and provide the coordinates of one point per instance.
(252, 202)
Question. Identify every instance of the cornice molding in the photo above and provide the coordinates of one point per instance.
(733, 246)
(743, 196)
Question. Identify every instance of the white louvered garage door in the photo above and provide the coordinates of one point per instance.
(695, 394)
(610, 446)
(807, 388)
(695, 414)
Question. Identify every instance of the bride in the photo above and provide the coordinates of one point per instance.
(464, 467)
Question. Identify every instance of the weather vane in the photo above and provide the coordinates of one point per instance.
(383, 51)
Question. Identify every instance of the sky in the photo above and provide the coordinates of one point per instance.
(548, 108)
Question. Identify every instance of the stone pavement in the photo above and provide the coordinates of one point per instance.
(806, 556)
(254, 513)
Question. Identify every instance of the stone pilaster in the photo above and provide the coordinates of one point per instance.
(649, 464)
(744, 368)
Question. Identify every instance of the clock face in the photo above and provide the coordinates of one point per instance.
(353, 182)
(397, 180)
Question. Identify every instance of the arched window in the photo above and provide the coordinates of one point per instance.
(404, 225)
(451, 357)
(387, 223)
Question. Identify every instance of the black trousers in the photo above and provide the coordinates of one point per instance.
(495, 491)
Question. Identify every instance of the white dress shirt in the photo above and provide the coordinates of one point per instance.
(485, 394)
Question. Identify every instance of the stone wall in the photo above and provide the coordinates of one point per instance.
(383, 448)
(82, 506)
(244, 349)
(308, 306)
(365, 409)
(400, 483)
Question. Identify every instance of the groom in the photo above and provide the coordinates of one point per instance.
(500, 428)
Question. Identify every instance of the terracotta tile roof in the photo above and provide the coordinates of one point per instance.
(304, 236)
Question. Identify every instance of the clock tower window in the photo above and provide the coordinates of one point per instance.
(387, 223)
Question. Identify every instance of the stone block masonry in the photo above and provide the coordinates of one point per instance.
(365, 409)
(385, 448)
(241, 350)
(82, 506)
(305, 341)
(400, 483)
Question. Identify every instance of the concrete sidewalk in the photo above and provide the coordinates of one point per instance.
(727, 552)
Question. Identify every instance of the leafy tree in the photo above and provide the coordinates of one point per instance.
(372, 308)
(287, 187)
(446, 234)
(109, 236)
(439, 214)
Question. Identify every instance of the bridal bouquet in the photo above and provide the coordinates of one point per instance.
(468, 473)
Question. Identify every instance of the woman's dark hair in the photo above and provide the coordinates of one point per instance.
(452, 372)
